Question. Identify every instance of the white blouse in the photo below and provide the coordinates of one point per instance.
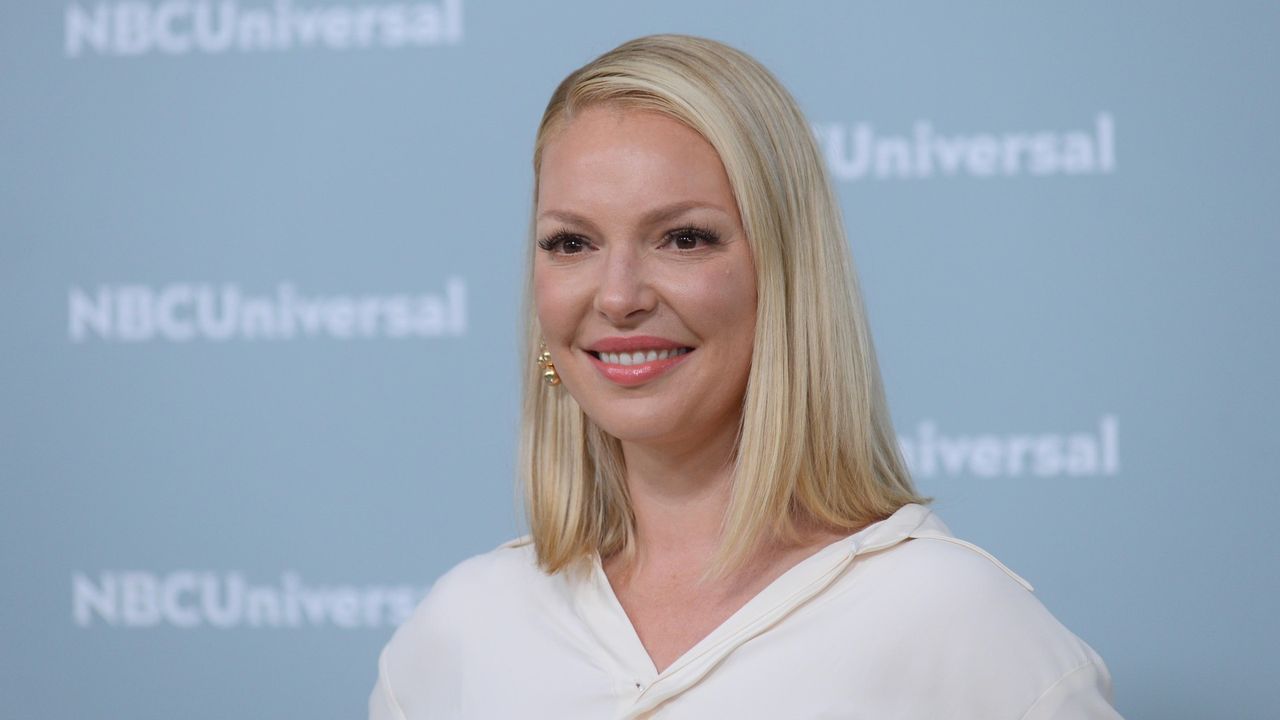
(898, 621)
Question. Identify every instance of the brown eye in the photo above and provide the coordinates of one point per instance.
(571, 245)
(563, 244)
(691, 238)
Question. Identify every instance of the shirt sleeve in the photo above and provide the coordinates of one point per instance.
(1082, 694)
(382, 703)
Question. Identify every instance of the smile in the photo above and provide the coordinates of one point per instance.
(638, 357)
(638, 366)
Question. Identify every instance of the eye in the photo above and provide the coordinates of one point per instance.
(563, 243)
(690, 238)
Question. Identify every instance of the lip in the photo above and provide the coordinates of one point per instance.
(633, 375)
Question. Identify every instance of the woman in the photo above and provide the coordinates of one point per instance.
(722, 525)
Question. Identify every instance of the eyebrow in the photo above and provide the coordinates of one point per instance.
(653, 217)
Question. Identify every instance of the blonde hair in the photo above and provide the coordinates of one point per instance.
(816, 441)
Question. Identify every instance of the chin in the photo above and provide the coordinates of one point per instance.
(631, 431)
(653, 427)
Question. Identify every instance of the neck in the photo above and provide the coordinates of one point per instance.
(679, 495)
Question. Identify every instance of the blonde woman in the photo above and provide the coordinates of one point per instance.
(721, 523)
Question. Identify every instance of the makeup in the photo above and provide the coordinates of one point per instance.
(632, 361)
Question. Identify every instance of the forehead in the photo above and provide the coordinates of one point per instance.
(619, 159)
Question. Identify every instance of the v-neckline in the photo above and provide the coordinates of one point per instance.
(602, 609)
(601, 578)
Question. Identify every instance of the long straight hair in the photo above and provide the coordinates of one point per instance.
(816, 443)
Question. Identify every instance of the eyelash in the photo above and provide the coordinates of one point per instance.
(555, 242)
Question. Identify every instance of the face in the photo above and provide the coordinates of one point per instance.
(643, 278)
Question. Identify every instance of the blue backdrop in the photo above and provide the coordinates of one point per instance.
(261, 269)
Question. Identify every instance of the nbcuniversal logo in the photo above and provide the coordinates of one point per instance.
(930, 452)
(184, 312)
(131, 28)
(861, 152)
(191, 599)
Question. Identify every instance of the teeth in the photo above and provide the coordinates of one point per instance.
(637, 358)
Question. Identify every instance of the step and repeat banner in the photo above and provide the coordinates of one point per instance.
(262, 266)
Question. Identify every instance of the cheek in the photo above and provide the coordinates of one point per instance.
(556, 305)
(740, 287)
(741, 301)
(722, 305)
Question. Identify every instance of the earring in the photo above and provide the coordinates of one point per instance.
(549, 374)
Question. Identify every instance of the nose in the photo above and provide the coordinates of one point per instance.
(624, 294)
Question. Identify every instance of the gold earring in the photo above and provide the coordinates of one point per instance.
(549, 375)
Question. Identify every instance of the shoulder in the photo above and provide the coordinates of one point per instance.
(950, 612)
(484, 579)
(482, 600)
(961, 593)
(474, 594)
(941, 567)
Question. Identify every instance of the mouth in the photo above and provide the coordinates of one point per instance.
(630, 368)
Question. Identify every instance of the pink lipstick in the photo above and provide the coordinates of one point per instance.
(631, 361)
